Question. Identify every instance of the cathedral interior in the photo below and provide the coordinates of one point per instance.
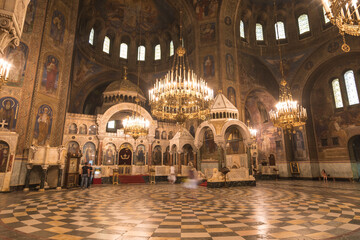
(205, 79)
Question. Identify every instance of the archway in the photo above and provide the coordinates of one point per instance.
(4, 155)
(234, 141)
(354, 153)
(187, 157)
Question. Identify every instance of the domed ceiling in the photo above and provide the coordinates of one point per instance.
(128, 15)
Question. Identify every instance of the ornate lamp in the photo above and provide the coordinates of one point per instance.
(345, 15)
(135, 125)
(4, 71)
(252, 131)
(180, 95)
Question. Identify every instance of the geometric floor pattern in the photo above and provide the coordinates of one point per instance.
(271, 210)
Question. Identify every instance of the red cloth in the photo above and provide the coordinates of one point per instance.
(96, 181)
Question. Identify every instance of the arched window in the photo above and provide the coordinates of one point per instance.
(259, 32)
(171, 48)
(280, 31)
(124, 50)
(157, 52)
(351, 88)
(326, 19)
(111, 124)
(91, 36)
(337, 93)
(141, 53)
(106, 45)
(242, 29)
(303, 22)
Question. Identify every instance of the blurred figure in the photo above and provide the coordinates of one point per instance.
(192, 181)
(91, 175)
(172, 176)
(324, 175)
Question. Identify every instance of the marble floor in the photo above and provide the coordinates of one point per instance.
(271, 210)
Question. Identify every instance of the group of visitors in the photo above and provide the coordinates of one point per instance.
(86, 175)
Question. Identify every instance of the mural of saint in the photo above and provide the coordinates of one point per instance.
(299, 145)
(231, 95)
(73, 147)
(163, 135)
(92, 130)
(166, 157)
(57, 29)
(43, 124)
(17, 58)
(4, 155)
(89, 153)
(30, 15)
(72, 128)
(109, 154)
(205, 8)
(8, 111)
(207, 32)
(50, 78)
(140, 158)
(229, 66)
(157, 134)
(263, 113)
(156, 156)
(209, 69)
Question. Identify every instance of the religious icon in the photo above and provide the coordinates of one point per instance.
(207, 32)
(17, 58)
(205, 8)
(109, 154)
(43, 124)
(125, 156)
(8, 111)
(4, 153)
(57, 27)
(157, 156)
(73, 147)
(30, 15)
(229, 66)
(82, 129)
(232, 95)
(92, 130)
(163, 135)
(140, 159)
(209, 69)
(89, 151)
(50, 78)
(72, 128)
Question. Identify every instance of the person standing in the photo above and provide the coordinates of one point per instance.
(85, 173)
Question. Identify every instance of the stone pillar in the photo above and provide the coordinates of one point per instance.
(61, 170)
(43, 177)
(149, 155)
(178, 156)
(27, 178)
(198, 162)
(195, 160)
(99, 157)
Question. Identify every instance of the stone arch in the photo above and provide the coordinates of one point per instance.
(244, 131)
(199, 135)
(103, 119)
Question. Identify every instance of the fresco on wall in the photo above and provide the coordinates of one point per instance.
(209, 66)
(57, 29)
(140, 155)
(43, 125)
(83, 68)
(4, 155)
(207, 33)
(89, 153)
(109, 154)
(156, 156)
(231, 95)
(166, 155)
(229, 66)
(9, 108)
(18, 59)
(30, 16)
(298, 144)
(155, 15)
(205, 8)
(92, 130)
(50, 77)
(73, 147)
(83, 129)
(73, 128)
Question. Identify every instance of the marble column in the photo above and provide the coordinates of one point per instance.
(99, 157)
(43, 177)
(61, 170)
(27, 178)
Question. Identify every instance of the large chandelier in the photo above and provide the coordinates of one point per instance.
(180, 95)
(135, 125)
(4, 71)
(288, 113)
(345, 15)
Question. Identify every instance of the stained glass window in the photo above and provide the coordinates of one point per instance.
(123, 50)
(326, 19)
(91, 36)
(303, 22)
(171, 48)
(242, 29)
(106, 46)
(259, 32)
(280, 31)
(141, 53)
(337, 93)
(351, 90)
(157, 52)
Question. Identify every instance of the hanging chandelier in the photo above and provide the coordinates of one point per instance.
(180, 95)
(135, 125)
(345, 15)
(4, 71)
(288, 113)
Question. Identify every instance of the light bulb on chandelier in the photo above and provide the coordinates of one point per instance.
(4, 71)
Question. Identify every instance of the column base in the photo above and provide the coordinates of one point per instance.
(58, 188)
(42, 190)
(26, 189)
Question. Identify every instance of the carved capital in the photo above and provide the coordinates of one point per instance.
(8, 34)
